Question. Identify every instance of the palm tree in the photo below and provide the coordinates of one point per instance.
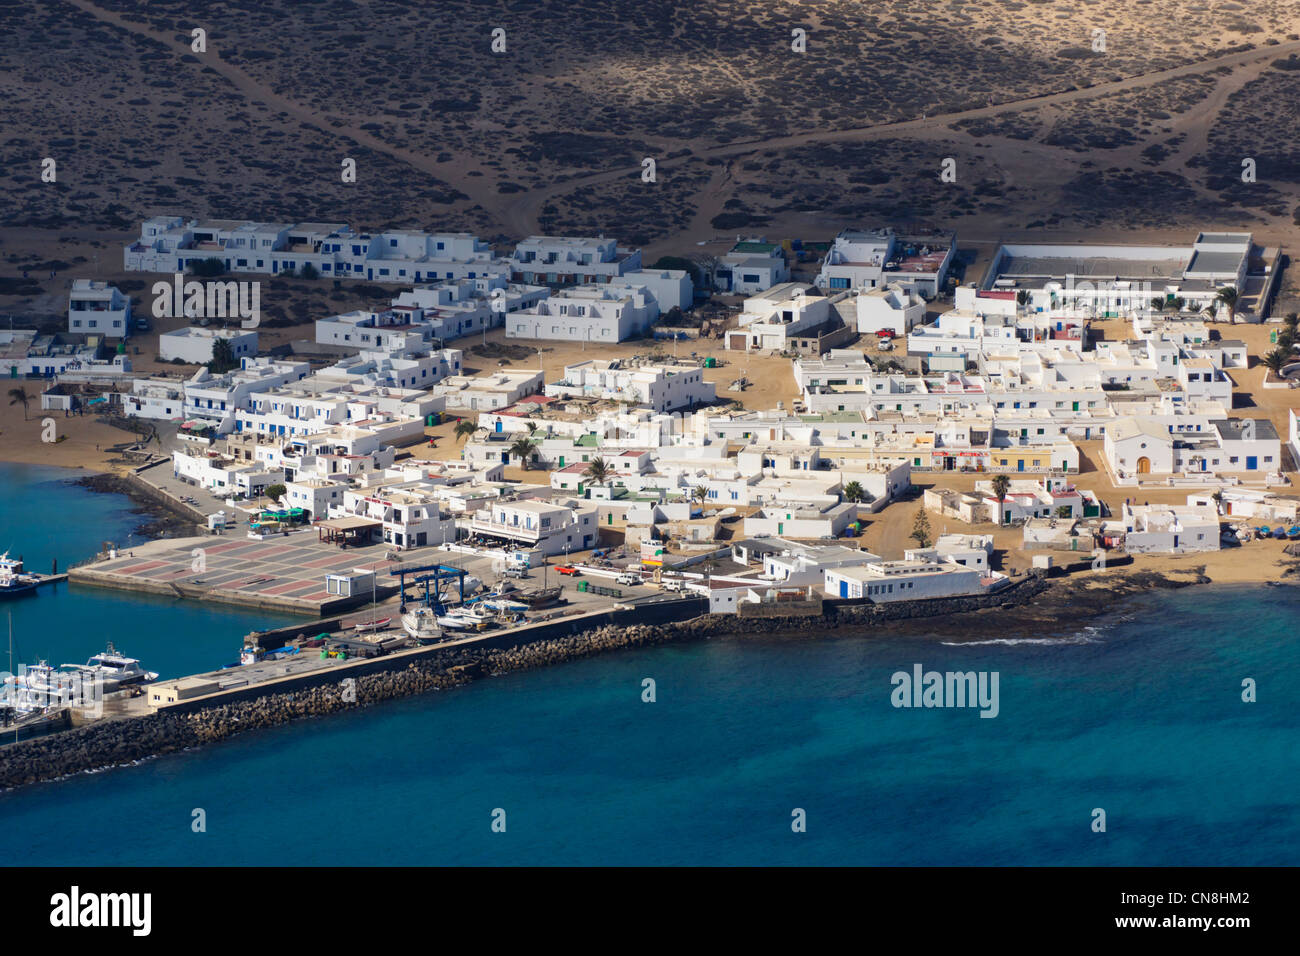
(1273, 361)
(1179, 303)
(598, 472)
(522, 449)
(700, 493)
(1158, 304)
(853, 492)
(1001, 483)
(1291, 321)
(465, 428)
(1227, 297)
(19, 396)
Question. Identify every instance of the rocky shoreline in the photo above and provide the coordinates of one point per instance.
(1034, 605)
(156, 520)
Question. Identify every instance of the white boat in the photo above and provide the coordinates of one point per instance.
(40, 687)
(112, 669)
(463, 619)
(422, 624)
(378, 625)
(13, 581)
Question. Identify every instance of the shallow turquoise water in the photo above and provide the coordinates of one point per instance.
(44, 517)
(1141, 717)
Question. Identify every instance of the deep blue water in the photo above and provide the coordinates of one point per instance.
(45, 517)
(1141, 716)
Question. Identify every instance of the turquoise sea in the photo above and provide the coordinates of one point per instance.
(44, 517)
(1140, 715)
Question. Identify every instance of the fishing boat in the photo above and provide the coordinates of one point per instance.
(538, 597)
(112, 669)
(422, 624)
(1293, 532)
(366, 626)
(1263, 531)
(13, 582)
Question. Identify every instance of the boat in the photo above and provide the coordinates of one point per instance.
(538, 597)
(378, 625)
(1280, 533)
(1263, 531)
(112, 669)
(463, 619)
(1293, 532)
(422, 624)
(13, 582)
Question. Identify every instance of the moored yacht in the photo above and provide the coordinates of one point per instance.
(113, 669)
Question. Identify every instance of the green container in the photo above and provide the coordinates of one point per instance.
(710, 362)
(582, 585)
(324, 653)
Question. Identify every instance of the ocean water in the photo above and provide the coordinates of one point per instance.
(1140, 716)
(44, 517)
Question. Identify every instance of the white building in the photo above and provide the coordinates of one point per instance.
(889, 581)
(224, 476)
(672, 288)
(784, 312)
(660, 388)
(97, 308)
(1196, 446)
(411, 516)
(869, 259)
(175, 244)
(752, 266)
(489, 390)
(889, 307)
(1170, 529)
(193, 345)
(566, 260)
(599, 315)
(1114, 280)
(552, 527)
(807, 522)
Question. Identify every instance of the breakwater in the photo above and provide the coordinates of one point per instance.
(126, 740)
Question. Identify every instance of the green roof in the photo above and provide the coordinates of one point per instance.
(764, 247)
(588, 441)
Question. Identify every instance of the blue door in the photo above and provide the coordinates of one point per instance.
(844, 589)
(1020, 465)
(1251, 462)
(1203, 463)
(498, 426)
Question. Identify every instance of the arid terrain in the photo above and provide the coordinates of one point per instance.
(1117, 116)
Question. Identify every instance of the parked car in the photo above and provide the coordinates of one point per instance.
(627, 577)
(885, 334)
(885, 345)
(569, 570)
(672, 584)
(515, 573)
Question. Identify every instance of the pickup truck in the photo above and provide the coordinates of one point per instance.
(568, 569)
